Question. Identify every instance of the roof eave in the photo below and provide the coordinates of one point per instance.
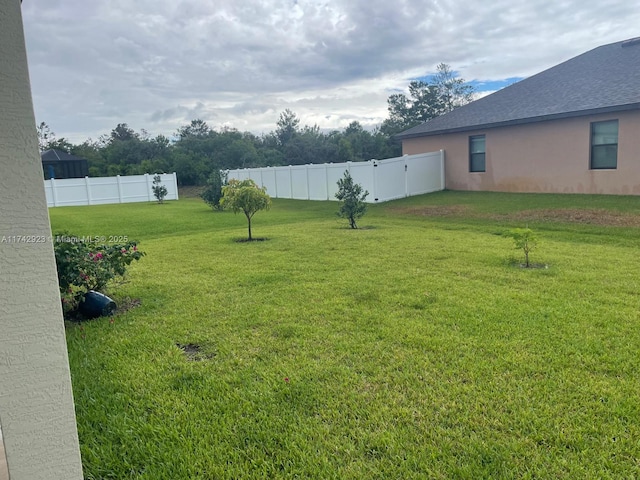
(521, 121)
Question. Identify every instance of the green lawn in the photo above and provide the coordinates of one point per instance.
(414, 347)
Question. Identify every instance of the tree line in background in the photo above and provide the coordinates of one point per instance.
(198, 150)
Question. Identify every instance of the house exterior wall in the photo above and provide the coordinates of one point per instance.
(551, 156)
(36, 404)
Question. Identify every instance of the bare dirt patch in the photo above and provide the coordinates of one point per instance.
(126, 304)
(593, 216)
(190, 192)
(194, 352)
(435, 210)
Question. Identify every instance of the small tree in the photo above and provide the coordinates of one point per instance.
(352, 198)
(213, 193)
(524, 239)
(158, 189)
(246, 197)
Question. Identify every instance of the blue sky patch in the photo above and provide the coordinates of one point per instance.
(478, 85)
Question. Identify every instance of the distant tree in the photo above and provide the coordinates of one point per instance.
(454, 91)
(197, 128)
(45, 135)
(60, 144)
(47, 139)
(213, 193)
(122, 132)
(426, 100)
(352, 199)
(245, 196)
(287, 127)
(159, 190)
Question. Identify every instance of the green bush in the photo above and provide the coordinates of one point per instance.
(352, 197)
(213, 193)
(159, 190)
(88, 264)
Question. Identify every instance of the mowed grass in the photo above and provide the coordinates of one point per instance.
(414, 347)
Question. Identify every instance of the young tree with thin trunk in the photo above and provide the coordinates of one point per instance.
(245, 196)
(352, 197)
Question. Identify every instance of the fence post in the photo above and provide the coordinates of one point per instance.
(54, 196)
(275, 179)
(406, 177)
(290, 183)
(442, 173)
(326, 178)
(87, 184)
(175, 184)
(119, 188)
(375, 179)
(149, 191)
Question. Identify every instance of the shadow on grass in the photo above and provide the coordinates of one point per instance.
(246, 240)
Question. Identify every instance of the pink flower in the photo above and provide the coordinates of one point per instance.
(286, 379)
(124, 250)
(135, 248)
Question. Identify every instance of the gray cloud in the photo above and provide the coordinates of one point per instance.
(159, 64)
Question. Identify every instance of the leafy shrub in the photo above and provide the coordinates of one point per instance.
(213, 193)
(352, 197)
(158, 189)
(85, 265)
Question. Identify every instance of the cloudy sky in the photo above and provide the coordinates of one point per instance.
(158, 64)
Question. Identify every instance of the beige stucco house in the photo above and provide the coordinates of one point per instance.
(574, 128)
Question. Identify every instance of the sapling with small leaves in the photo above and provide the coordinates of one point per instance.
(352, 197)
(524, 239)
(158, 189)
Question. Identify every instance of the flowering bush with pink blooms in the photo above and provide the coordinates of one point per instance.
(86, 265)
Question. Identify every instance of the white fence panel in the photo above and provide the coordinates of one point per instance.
(385, 180)
(317, 181)
(269, 181)
(283, 182)
(299, 182)
(390, 179)
(101, 190)
(425, 173)
(362, 173)
(335, 171)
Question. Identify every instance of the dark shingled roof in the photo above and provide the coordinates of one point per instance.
(605, 79)
(57, 156)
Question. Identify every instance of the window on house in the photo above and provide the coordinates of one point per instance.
(476, 153)
(604, 144)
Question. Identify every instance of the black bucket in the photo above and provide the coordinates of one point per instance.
(97, 304)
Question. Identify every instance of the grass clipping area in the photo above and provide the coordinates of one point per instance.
(411, 348)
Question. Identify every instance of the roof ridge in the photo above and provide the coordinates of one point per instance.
(604, 78)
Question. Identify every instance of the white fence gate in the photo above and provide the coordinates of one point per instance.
(99, 190)
(384, 179)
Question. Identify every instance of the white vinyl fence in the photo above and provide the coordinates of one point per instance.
(99, 190)
(384, 179)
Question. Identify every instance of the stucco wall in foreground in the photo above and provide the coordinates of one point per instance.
(36, 403)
